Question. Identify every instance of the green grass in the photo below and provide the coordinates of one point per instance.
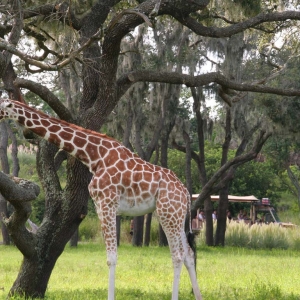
(146, 273)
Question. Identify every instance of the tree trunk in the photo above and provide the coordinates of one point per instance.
(163, 242)
(209, 233)
(222, 217)
(3, 147)
(74, 239)
(223, 200)
(162, 238)
(41, 250)
(148, 229)
(5, 169)
(118, 223)
(138, 230)
(14, 153)
(35, 272)
(188, 175)
(36, 269)
(3, 211)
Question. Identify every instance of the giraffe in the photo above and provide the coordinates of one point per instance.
(122, 184)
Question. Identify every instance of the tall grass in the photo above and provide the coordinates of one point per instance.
(257, 236)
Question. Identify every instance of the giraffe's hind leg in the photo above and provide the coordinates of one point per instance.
(190, 264)
(181, 252)
(173, 230)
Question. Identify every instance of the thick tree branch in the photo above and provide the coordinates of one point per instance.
(5, 29)
(204, 79)
(214, 184)
(43, 10)
(19, 192)
(180, 148)
(47, 96)
(228, 31)
(17, 189)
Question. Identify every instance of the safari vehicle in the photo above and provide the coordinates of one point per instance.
(261, 211)
(264, 212)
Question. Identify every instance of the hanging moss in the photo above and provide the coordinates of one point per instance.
(250, 8)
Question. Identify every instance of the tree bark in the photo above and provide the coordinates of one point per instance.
(208, 210)
(137, 239)
(148, 229)
(222, 217)
(223, 199)
(188, 172)
(74, 239)
(14, 153)
(162, 238)
(118, 224)
(5, 169)
(4, 212)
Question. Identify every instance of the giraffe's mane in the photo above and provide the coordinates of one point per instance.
(71, 125)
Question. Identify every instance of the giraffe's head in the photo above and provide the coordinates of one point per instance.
(5, 109)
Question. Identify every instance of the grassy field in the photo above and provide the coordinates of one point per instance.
(146, 273)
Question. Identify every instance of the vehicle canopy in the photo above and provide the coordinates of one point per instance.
(231, 198)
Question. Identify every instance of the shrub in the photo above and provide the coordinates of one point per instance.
(275, 236)
(294, 238)
(154, 234)
(125, 236)
(256, 239)
(237, 234)
(89, 229)
(258, 236)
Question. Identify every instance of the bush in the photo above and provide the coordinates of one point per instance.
(275, 236)
(89, 229)
(237, 234)
(294, 238)
(257, 236)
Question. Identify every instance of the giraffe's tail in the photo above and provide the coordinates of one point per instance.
(191, 237)
(192, 243)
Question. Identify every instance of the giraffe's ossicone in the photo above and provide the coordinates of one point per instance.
(122, 184)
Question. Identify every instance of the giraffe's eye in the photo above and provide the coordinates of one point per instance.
(7, 104)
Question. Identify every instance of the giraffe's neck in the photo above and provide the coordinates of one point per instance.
(86, 145)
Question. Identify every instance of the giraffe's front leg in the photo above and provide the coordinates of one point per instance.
(106, 211)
